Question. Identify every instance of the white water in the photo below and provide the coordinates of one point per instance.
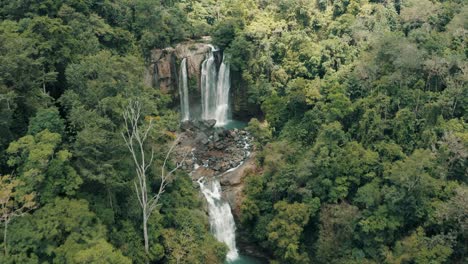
(183, 91)
(208, 86)
(215, 88)
(221, 219)
(222, 94)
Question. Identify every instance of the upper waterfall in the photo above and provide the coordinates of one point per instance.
(215, 86)
(183, 91)
(222, 94)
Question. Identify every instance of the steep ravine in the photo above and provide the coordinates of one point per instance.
(214, 154)
(198, 77)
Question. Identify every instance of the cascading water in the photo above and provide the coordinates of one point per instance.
(183, 91)
(222, 94)
(221, 219)
(215, 90)
(208, 86)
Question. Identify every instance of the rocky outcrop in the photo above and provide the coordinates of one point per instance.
(162, 70)
(207, 151)
(212, 148)
(233, 184)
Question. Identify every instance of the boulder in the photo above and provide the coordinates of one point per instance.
(202, 138)
(209, 123)
(187, 125)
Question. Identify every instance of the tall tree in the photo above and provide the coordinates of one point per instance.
(135, 137)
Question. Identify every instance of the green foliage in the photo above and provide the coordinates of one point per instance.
(100, 252)
(188, 241)
(49, 119)
(50, 233)
(43, 166)
(361, 147)
(418, 248)
(337, 225)
(260, 131)
(372, 98)
(225, 32)
(285, 230)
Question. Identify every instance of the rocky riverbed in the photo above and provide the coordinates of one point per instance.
(206, 150)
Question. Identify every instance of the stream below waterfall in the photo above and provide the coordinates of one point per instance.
(222, 221)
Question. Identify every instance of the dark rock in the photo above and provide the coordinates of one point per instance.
(209, 123)
(198, 124)
(219, 145)
(189, 163)
(216, 137)
(187, 125)
(202, 138)
(213, 148)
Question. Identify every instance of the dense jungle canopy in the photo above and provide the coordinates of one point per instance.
(358, 109)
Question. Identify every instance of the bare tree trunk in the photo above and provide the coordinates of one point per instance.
(135, 137)
(145, 233)
(5, 238)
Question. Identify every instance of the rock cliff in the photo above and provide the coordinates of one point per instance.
(162, 70)
(164, 67)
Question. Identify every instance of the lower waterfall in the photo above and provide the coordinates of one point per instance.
(221, 219)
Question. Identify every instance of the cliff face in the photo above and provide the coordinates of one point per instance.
(163, 69)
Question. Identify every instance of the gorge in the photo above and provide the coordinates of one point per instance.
(214, 86)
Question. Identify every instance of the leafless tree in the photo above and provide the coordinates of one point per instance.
(135, 137)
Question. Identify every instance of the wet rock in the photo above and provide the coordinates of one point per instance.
(162, 71)
(216, 137)
(202, 138)
(209, 123)
(212, 148)
(187, 125)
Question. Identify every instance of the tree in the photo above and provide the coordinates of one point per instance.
(420, 249)
(43, 166)
(187, 242)
(337, 224)
(135, 137)
(285, 231)
(260, 131)
(48, 118)
(12, 203)
(61, 231)
(101, 252)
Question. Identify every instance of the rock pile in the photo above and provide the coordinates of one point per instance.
(212, 148)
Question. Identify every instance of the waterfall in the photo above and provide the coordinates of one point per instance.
(215, 90)
(222, 94)
(221, 219)
(208, 86)
(183, 91)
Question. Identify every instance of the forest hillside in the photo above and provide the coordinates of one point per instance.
(355, 113)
